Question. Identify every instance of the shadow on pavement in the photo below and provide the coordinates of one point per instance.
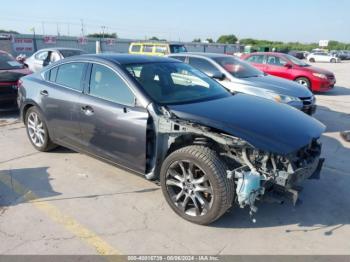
(22, 185)
(337, 91)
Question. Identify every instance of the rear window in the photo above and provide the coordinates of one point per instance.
(161, 49)
(70, 75)
(68, 53)
(7, 62)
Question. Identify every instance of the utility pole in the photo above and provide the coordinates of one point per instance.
(43, 27)
(68, 29)
(58, 30)
(103, 31)
(82, 28)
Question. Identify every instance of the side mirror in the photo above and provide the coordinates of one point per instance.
(217, 75)
(289, 66)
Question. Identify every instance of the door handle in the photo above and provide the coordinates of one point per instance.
(126, 110)
(88, 110)
(44, 93)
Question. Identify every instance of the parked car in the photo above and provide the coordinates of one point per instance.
(10, 72)
(239, 76)
(297, 54)
(44, 57)
(322, 57)
(156, 48)
(168, 121)
(289, 67)
(339, 54)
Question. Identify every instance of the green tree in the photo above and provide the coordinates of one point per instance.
(227, 39)
(209, 40)
(8, 32)
(197, 40)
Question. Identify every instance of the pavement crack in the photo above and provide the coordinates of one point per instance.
(19, 157)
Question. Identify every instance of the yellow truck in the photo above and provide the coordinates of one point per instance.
(155, 48)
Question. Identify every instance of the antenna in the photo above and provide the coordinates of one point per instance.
(82, 27)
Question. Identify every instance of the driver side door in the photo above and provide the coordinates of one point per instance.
(277, 66)
(112, 126)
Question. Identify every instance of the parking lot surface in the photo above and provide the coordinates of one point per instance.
(68, 203)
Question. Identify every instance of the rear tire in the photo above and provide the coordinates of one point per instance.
(333, 60)
(195, 185)
(37, 131)
(304, 81)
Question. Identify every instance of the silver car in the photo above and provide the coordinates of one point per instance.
(45, 57)
(238, 76)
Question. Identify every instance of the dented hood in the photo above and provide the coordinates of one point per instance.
(265, 124)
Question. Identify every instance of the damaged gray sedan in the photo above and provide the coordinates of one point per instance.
(171, 123)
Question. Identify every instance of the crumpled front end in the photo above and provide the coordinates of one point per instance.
(279, 176)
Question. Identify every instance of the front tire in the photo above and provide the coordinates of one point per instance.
(312, 60)
(304, 81)
(195, 185)
(37, 131)
(333, 60)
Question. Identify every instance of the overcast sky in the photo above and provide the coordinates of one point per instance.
(288, 20)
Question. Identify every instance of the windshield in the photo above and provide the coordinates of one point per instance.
(238, 68)
(7, 62)
(175, 83)
(296, 61)
(68, 53)
(174, 49)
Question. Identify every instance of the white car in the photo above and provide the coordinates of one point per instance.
(44, 57)
(322, 57)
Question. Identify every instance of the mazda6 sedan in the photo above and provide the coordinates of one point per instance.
(169, 122)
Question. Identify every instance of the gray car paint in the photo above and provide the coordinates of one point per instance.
(262, 86)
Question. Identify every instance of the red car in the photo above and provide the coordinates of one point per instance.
(289, 67)
(10, 72)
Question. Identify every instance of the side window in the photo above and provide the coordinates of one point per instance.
(161, 49)
(70, 75)
(148, 48)
(42, 55)
(257, 59)
(53, 74)
(106, 84)
(202, 65)
(276, 61)
(136, 48)
(181, 58)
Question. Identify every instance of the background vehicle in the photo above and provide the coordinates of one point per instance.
(239, 76)
(322, 57)
(297, 54)
(44, 57)
(289, 67)
(155, 48)
(10, 72)
(170, 122)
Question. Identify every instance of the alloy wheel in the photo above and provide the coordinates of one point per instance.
(36, 129)
(189, 188)
(303, 82)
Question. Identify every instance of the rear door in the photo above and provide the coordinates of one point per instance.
(60, 100)
(277, 66)
(112, 126)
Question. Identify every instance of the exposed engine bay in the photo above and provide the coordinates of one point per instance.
(255, 173)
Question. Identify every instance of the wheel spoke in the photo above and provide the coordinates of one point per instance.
(176, 175)
(204, 203)
(190, 174)
(184, 203)
(200, 180)
(177, 197)
(204, 189)
(198, 212)
(183, 169)
(172, 182)
(41, 139)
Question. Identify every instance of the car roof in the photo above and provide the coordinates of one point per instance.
(59, 48)
(123, 59)
(267, 53)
